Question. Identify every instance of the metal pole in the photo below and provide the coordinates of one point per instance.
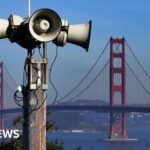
(45, 50)
(26, 140)
(29, 8)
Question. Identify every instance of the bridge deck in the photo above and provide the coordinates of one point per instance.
(103, 109)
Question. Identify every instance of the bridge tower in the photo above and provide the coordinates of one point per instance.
(117, 88)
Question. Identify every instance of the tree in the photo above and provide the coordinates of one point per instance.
(17, 144)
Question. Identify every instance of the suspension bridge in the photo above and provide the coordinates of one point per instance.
(117, 82)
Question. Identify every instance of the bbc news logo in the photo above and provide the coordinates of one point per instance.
(8, 134)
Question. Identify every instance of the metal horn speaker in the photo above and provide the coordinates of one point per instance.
(44, 25)
(76, 34)
(4, 24)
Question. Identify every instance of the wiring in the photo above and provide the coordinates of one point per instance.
(25, 73)
(35, 92)
(18, 99)
(39, 48)
(37, 106)
(50, 79)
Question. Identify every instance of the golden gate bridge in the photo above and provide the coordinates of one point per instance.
(117, 81)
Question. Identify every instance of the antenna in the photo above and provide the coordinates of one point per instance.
(29, 8)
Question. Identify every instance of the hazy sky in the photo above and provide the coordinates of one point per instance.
(117, 18)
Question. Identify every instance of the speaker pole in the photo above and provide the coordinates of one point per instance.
(26, 112)
(34, 131)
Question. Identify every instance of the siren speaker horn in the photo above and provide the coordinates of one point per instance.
(44, 25)
(80, 34)
(76, 34)
(4, 24)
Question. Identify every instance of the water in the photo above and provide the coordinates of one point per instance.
(137, 128)
(96, 141)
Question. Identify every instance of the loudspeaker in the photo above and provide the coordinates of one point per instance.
(4, 24)
(44, 25)
(76, 34)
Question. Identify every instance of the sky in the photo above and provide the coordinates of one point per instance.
(117, 18)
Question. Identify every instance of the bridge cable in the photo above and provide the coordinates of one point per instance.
(116, 49)
(138, 60)
(136, 77)
(90, 82)
(81, 81)
(134, 74)
(10, 75)
(16, 101)
(8, 86)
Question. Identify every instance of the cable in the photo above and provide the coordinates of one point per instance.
(39, 48)
(37, 108)
(8, 86)
(25, 92)
(134, 74)
(138, 61)
(50, 80)
(25, 73)
(116, 49)
(18, 99)
(81, 81)
(90, 82)
(10, 75)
